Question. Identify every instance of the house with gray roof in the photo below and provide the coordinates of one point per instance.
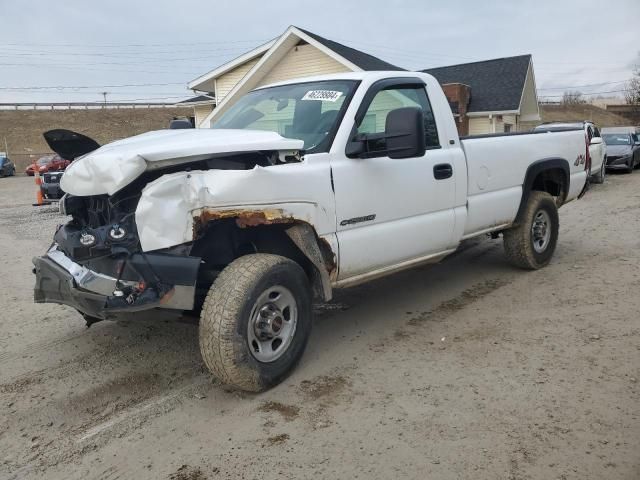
(486, 97)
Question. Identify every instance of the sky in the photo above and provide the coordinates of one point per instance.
(148, 50)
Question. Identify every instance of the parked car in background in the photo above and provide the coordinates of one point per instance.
(48, 163)
(623, 149)
(7, 168)
(597, 151)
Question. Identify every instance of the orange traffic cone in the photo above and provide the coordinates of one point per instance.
(39, 196)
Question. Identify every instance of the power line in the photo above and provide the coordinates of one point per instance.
(583, 86)
(95, 45)
(133, 62)
(21, 54)
(591, 93)
(76, 87)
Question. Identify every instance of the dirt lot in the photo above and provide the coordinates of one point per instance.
(468, 369)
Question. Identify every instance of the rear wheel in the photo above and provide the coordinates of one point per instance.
(532, 242)
(256, 321)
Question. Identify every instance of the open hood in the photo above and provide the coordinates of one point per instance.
(113, 166)
(69, 145)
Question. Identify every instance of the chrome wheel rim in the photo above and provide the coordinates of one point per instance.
(541, 231)
(272, 324)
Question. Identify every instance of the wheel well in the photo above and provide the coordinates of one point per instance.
(222, 241)
(553, 181)
(550, 175)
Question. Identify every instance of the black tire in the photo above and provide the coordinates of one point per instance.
(630, 167)
(519, 241)
(599, 177)
(227, 314)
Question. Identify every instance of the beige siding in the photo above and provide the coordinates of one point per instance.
(227, 81)
(201, 112)
(529, 106)
(480, 125)
(302, 61)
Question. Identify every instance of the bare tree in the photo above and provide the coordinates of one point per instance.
(573, 98)
(632, 88)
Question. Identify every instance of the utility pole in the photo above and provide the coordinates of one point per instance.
(6, 147)
(104, 95)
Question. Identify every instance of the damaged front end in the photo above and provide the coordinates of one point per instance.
(96, 264)
(155, 219)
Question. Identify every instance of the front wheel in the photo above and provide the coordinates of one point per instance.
(256, 321)
(532, 242)
(630, 167)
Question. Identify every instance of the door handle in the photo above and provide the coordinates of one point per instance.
(442, 171)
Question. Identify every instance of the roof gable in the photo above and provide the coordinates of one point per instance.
(496, 85)
(361, 59)
(222, 69)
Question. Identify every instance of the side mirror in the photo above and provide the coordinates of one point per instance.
(596, 141)
(403, 137)
(404, 130)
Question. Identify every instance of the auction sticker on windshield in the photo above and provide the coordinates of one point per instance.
(325, 95)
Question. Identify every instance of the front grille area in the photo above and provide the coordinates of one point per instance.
(612, 158)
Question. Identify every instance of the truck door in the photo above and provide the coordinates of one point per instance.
(391, 211)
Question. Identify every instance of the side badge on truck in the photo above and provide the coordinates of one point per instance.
(580, 160)
(353, 220)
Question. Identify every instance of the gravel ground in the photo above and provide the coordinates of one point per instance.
(467, 369)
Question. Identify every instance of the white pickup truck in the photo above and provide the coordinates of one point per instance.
(296, 189)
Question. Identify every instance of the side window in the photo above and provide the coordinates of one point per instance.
(385, 101)
(596, 132)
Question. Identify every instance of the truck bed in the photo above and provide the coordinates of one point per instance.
(496, 169)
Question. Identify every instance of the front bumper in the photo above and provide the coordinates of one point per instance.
(60, 280)
(618, 162)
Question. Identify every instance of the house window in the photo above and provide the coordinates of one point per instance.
(507, 127)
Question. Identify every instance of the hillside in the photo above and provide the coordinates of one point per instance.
(601, 117)
(23, 128)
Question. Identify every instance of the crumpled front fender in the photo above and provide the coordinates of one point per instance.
(172, 209)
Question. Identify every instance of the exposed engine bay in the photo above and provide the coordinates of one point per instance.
(99, 262)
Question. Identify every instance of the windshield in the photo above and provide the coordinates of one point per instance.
(45, 160)
(616, 139)
(303, 111)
